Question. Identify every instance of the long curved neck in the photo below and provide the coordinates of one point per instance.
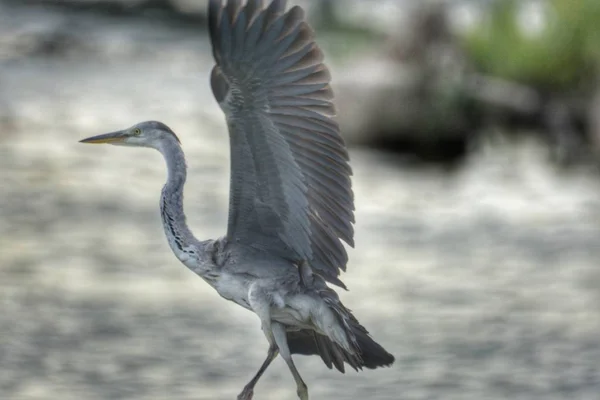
(171, 202)
(194, 254)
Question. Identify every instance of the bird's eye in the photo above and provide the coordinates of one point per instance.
(137, 131)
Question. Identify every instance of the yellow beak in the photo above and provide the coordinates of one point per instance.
(106, 138)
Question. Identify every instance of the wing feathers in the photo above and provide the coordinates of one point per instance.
(293, 21)
(253, 8)
(292, 191)
(234, 8)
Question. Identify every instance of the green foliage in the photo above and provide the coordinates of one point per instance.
(562, 56)
(343, 43)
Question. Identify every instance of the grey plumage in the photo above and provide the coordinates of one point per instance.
(291, 203)
(279, 107)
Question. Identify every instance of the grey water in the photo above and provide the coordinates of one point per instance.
(484, 282)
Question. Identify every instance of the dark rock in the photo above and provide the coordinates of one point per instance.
(408, 97)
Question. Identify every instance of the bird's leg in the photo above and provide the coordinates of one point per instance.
(249, 388)
(281, 342)
(261, 308)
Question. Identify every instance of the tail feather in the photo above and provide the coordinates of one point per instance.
(345, 339)
(364, 351)
(323, 350)
(373, 355)
(339, 355)
(369, 353)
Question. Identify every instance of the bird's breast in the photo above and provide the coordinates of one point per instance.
(233, 287)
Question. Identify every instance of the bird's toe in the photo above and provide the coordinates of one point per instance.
(246, 394)
(302, 392)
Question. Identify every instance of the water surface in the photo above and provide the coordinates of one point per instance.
(484, 283)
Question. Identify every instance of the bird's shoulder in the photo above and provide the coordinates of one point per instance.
(240, 258)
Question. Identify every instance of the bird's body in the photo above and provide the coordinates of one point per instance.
(291, 201)
(238, 272)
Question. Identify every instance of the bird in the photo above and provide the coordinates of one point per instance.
(291, 204)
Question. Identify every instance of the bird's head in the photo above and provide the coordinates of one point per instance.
(145, 134)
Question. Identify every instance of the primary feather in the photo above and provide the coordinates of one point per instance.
(290, 178)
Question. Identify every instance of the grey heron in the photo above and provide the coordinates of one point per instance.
(291, 203)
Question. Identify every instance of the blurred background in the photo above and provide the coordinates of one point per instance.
(474, 129)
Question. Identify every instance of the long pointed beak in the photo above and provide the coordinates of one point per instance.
(112, 137)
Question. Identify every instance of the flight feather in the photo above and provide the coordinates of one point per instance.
(290, 188)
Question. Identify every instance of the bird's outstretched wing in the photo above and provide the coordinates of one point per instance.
(290, 179)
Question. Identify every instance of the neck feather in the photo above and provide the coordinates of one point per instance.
(171, 203)
(194, 254)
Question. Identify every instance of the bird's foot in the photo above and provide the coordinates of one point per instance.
(246, 394)
(302, 392)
